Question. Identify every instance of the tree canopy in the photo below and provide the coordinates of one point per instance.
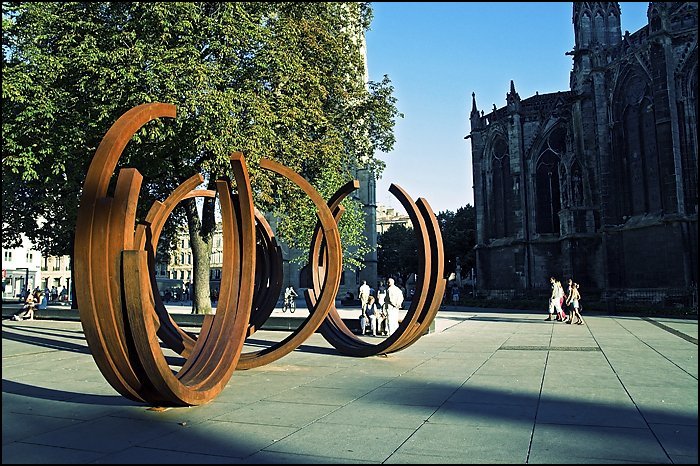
(280, 80)
(397, 253)
(459, 238)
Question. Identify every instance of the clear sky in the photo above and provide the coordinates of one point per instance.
(437, 54)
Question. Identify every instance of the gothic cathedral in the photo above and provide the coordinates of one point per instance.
(598, 183)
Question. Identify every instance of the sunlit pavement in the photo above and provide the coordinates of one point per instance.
(487, 386)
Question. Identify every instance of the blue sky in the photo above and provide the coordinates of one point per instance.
(437, 54)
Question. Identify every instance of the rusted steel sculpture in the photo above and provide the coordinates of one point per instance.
(430, 285)
(268, 275)
(124, 319)
(105, 228)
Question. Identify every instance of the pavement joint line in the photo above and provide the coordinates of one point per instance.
(539, 400)
(627, 391)
(672, 331)
(550, 348)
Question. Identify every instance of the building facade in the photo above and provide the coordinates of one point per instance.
(56, 273)
(388, 216)
(21, 269)
(597, 182)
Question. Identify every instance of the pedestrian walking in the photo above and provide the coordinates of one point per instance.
(555, 300)
(574, 299)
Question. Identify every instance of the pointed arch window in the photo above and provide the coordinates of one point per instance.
(613, 28)
(599, 28)
(502, 187)
(637, 173)
(547, 183)
(585, 31)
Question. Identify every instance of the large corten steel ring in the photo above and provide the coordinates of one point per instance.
(105, 228)
(326, 295)
(266, 294)
(216, 351)
(430, 285)
(268, 270)
(124, 318)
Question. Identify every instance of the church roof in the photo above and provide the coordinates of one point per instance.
(535, 104)
(538, 101)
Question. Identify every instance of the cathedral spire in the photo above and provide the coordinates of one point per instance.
(474, 117)
(474, 109)
(597, 34)
(512, 98)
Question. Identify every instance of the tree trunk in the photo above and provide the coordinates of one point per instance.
(201, 238)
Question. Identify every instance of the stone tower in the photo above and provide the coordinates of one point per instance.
(367, 195)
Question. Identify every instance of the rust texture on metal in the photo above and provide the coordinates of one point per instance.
(125, 320)
(102, 322)
(326, 295)
(268, 274)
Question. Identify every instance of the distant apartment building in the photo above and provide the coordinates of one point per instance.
(56, 272)
(21, 269)
(388, 216)
(176, 275)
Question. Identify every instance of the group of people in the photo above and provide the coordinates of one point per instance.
(559, 299)
(381, 312)
(56, 294)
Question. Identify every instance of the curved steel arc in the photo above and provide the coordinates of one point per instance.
(146, 237)
(97, 292)
(265, 296)
(336, 332)
(437, 281)
(268, 274)
(216, 351)
(318, 258)
(332, 280)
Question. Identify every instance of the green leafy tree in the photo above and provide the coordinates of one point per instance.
(283, 81)
(397, 253)
(459, 238)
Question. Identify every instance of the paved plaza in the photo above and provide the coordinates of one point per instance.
(486, 386)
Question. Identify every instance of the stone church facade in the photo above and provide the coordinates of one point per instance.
(598, 182)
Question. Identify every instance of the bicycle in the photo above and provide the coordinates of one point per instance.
(290, 304)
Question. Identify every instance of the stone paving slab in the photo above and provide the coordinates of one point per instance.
(487, 386)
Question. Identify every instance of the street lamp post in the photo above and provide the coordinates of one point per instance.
(26, 277)
(473, 284)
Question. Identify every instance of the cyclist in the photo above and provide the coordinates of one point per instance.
(289, 303)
